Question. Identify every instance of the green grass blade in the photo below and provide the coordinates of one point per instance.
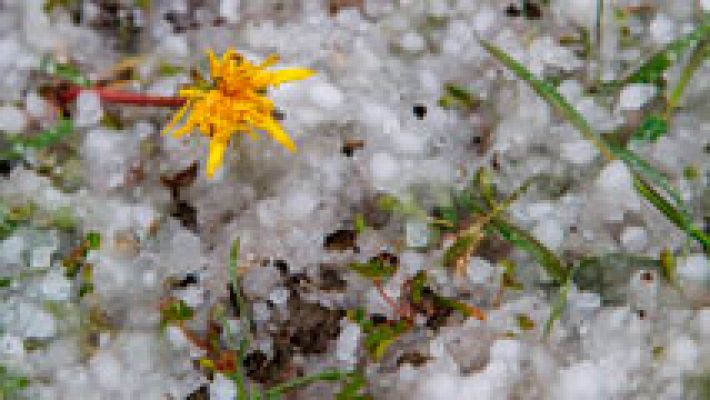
(468, 239)
(552, 96)
(526, 242)
(64, 71)
(329, 375)
(63, 128)
(351, 388)
(651, 129)
(642, 168)
(639, 168)
(557, 308)
(245, 332)
(676, 217)
(699, 54)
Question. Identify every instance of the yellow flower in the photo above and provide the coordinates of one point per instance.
(235, 103)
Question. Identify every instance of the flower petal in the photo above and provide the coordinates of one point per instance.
(269, 61)
(176, 118)
(216, 156)
(286, 75)
(277, 133)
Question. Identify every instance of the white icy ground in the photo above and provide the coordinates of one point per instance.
(372, 70)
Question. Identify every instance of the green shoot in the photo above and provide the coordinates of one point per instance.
(245, 332)
(557, 308)
(641, 170)
(468, 239)
(276, 392)
(11, 384)
(653, 69)
(66, 72)
(699, 54)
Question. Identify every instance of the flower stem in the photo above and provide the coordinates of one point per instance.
(122, 97)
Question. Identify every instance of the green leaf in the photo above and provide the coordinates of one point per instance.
(352, 387)
(462, 247)
(677, 217)
(652, 128)
(165, 69)
(558, 307)
(652, 70)
(245, 320)
(11, 383)
(509, 281)
(642, 169)
(375, 268)
(5, 283)
(700, 53)
(458, 97)
(93, 239)
(143, 4)
(469, 238)
(526, 242)
(456, 305)
(418, 283)
(359, 224)
(176, 311)
(524, 322)
(64, 71)
(668, 265)
(382, 336)
(14, 217)
(63, 128)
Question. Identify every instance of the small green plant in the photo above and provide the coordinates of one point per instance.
(12, 218)
(20, 143)
(11, 384)
(352, 381)
(175, 311)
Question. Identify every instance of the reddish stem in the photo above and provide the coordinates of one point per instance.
(123, 97)
(403, 311)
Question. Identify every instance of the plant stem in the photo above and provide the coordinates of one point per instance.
(123, 97)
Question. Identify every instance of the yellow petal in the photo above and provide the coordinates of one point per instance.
(216, 156)
(286, 75)
(182, 131)
(269, 61)
(192, 93)
(176, 118)
(214, 64)
(276, 132)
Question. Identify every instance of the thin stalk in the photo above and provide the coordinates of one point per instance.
(118, 96)
(598, 37)
(328, 375)
(245, 331)
(696, 60)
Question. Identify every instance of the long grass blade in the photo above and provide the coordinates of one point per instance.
(245, 331)
(557, 308)
(527, 242)
(553, 98)
(697, 57)
(638, 167)
(673, 215)
(330, 375)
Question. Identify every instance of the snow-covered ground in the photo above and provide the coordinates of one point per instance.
(382, 68)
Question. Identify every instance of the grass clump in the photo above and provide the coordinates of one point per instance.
(645, 177)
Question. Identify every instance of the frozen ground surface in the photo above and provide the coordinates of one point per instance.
(144, 313)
